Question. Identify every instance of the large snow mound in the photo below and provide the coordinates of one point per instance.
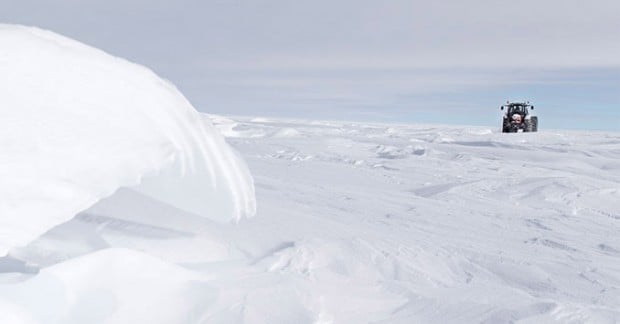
(77, 124)
(103, 287)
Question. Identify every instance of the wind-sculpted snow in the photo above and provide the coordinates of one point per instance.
(436, 224)
(358, 223)
(77, 124)
(108, 286)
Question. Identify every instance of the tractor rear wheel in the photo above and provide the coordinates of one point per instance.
(533, 125)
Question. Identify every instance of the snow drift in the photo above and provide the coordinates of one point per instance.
(123, 277)
(77, 124)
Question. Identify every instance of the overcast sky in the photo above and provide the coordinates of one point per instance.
(382, 60)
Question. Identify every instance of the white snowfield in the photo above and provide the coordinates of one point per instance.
(77, 124)
(432, 224)
(357, 223)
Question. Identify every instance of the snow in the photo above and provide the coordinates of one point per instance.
(437, 224)
(356, 222)
(77, 124)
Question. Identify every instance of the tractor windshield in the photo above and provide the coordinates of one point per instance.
(517, 109)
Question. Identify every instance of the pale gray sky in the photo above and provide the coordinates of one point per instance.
(414, 61)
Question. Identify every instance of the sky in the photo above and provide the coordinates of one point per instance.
(408, 61)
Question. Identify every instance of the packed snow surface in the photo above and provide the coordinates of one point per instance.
(78, 124)
(356, 223)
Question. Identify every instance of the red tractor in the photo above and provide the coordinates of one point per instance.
(518, 118)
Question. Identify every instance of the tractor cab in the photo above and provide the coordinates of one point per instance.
(517, 118)
(517, 109)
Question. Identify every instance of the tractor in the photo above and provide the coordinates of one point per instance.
(518, 118)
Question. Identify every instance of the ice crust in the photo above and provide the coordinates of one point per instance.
(78, 124)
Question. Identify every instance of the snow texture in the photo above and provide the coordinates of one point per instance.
(78, 124)
(437, 224)
(357, 223)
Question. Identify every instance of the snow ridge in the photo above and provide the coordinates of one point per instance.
(77, 124)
